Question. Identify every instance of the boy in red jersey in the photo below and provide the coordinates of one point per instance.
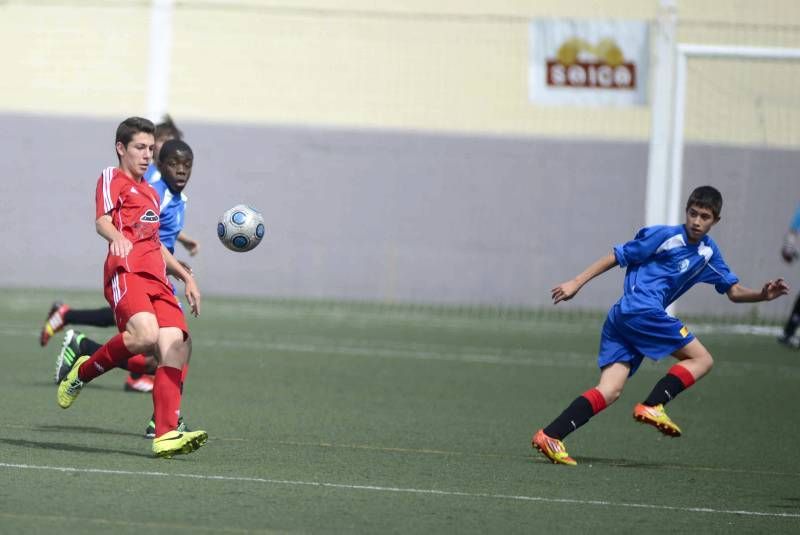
(147, 313)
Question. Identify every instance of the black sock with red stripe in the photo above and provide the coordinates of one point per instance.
(578, 413)
(676, 381)
(100, 317)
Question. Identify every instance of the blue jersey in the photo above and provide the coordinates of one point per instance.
(152, 174)
(795, 225)
(173, 211)
(662, 265)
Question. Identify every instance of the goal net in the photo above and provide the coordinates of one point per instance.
(737, 127)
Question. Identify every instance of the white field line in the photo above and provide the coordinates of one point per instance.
(534, 358)
(378, 488)
(335, 347)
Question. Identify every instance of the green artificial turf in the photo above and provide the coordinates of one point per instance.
(367, 418)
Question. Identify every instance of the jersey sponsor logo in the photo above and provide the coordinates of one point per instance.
(684, 331)
(149, 217)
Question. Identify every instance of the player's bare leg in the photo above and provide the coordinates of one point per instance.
(140, 336)
(612, 380)
(549, 440)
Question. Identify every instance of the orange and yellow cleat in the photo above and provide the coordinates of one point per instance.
(552, 448)
(657, 417)
(53, 323)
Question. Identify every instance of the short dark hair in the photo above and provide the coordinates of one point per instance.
(167, 128)
(171, 147)
(132, 126)
(706, 197)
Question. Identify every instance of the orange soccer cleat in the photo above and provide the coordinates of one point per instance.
(657, 417)
(53, 323)
(552, 448)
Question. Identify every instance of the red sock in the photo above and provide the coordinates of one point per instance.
(138, 364)
(596, 400)
(683, 374)
(167, 398)
(108, 357)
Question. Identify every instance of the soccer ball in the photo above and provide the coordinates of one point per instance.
(241, 228)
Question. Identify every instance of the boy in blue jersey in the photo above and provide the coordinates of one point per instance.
(662, 263)
(789, 254)
(175, 170)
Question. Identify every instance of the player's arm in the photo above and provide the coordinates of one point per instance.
(191, 245)
(567, 290)
(175, 269)
(771, 290)
(119, 245)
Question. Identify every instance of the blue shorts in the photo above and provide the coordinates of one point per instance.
(630, 337)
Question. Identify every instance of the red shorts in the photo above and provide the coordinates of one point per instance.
(131, 293)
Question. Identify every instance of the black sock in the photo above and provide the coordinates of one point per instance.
(794, 320)
(99, 317)
(577, 414)
(667, 388)
(87, 346)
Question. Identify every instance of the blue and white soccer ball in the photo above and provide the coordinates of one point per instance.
(241, 228)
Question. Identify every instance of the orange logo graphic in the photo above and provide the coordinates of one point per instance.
(579, 64)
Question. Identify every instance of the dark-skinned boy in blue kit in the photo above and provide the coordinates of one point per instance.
(662, 263)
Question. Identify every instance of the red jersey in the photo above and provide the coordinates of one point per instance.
(134, 210)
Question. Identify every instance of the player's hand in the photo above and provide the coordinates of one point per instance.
(192, 246)
(186, 266)
(564, 291)
(192, 296)
(120, 247)
(774, 289)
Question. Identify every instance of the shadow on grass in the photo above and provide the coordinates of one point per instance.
(85, 429)
(619, 463)
(632, 463)
(793, 506)
(60, 446)
(103, 385)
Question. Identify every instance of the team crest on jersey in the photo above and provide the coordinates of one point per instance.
(684, 265)
(149, 217)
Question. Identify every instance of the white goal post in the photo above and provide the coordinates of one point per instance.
(665, 168)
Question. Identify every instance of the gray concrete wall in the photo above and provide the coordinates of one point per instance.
(397, 216)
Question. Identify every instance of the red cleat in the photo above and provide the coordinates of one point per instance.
(54, 323)
(141, 383)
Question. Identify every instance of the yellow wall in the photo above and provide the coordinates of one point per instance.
(451, 65)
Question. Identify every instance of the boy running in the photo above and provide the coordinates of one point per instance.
(662, 263)
(148, 315)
